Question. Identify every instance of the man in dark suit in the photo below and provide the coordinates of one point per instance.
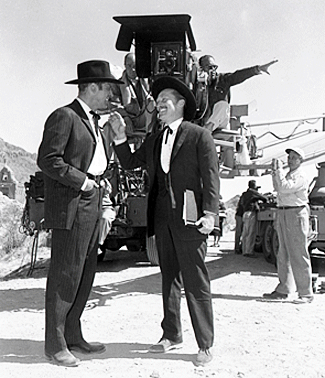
(73, 155)
(179, 158)
(250, 202)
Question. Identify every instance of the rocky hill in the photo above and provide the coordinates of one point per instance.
(21, 162)
(232, 203)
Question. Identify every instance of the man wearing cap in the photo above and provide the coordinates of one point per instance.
(250, 200)
(292, 226)
(73, 156)
(178, 158)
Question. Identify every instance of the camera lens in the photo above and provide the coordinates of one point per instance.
(169, 63)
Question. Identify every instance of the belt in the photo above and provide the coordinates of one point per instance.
(96, 178)
(290, 207)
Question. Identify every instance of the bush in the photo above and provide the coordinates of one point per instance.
(230, 221)
(10, 217)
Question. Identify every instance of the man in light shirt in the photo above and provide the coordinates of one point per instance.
(182, 157)
(292, 226)
(74, 156)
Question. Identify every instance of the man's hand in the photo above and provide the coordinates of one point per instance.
(276, 164)
(111, 107)
(105, 183)
(117, 125)
(90, 185)
(280, 164)
(265, 67)
(207, 222)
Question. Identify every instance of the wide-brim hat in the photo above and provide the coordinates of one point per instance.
(165, 82)
(94, 71)
(297, 150)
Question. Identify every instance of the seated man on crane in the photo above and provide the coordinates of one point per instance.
(135, 97)
(213, 97)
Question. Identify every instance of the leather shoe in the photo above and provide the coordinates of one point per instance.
(87, 348)
(203, 357)
(304, 299)
(275, 295)
(164, 345)
(63, 358)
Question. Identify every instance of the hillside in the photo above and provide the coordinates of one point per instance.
(21, 162)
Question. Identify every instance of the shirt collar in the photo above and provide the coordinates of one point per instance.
(175, 124)
(297, 170)
(85, 107)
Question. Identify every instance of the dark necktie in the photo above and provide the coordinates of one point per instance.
(169, 131)
(138, 90)
(96, 118)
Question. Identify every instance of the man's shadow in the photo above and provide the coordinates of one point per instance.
(32, 352)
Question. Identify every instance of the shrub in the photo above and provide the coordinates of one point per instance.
(10, 218)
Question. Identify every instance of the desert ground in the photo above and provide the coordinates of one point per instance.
(253, 338)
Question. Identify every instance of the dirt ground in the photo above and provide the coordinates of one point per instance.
(253, 338)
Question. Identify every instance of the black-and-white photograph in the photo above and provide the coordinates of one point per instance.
(162, 189)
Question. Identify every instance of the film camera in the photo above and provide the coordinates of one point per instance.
(160, 43)
(167, 59)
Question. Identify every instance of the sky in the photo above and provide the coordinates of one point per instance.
(42, 41)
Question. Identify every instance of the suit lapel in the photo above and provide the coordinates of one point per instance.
(75, 105)
(154, 152)
(180, 137)
(107, 144)
(88, 125)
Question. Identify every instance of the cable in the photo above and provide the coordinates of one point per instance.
(282, 138)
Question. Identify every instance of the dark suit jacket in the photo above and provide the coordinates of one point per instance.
(64, 156)
(194, 166)
(219, 89)
(250, 199)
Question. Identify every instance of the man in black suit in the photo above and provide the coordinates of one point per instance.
(179, 158)
(73, 155)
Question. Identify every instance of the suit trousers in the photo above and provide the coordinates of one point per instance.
(182, 261)
(71, 274)
(238, 232)
(293, 260)
(248, 236)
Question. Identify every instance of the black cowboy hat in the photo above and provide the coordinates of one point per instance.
(94, 71)
(174, 83)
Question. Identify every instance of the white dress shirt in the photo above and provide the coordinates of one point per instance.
(167, 148)
(98, 163)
